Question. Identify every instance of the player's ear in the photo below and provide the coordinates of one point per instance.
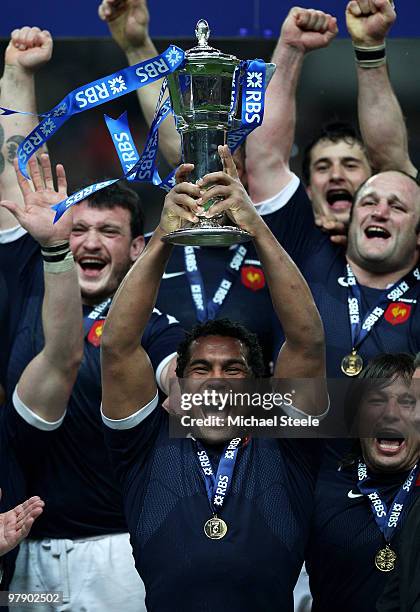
(136, 247)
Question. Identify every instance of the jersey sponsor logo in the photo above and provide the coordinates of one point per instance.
(172, 274)
(397, 313)
(95, 334)
(353, 495)
(252, 277)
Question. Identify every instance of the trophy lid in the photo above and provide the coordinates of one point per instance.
(203, 50)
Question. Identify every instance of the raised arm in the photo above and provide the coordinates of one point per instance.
(128, 22)
(128, 381)
(46, 383)
(381, 120)
(268, 147)
(303, 353)
(28, 50)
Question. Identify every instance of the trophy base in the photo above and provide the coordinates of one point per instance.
(210, 235)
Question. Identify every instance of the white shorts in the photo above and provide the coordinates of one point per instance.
(94, 574)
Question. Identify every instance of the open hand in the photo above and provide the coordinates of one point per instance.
(36, 216)
(16, 524)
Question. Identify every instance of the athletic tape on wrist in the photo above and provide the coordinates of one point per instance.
(63, 265)
(370, 57)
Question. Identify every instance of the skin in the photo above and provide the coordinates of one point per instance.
(16, 524)
(391, 201)
(214, 360)
(391, 412)
(334, 168)
(102, 235)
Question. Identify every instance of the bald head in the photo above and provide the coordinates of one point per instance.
(385, 223)
(391, 180)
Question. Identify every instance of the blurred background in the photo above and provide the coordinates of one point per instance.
(83, 52)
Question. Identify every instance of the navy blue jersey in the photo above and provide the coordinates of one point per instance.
(12, 491)
(345, 539)
(69, 467)
(267, 510)
(248, 301)
(324, 266)
(4, 332)
(22, 276)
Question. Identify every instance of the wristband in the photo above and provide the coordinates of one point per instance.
(57, 258)
(370, 57)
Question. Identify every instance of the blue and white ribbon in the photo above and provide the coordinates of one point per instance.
(143, 168)
(217, 487)
(253, 90)
(96, 93)
(387, 520)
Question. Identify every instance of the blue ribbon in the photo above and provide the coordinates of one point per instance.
(146, 163)
(144, 169)
(253, 90)
(360, 329)
(204, 309)
(387, 521)
(96, 93)
(217, 487)
(123, 142)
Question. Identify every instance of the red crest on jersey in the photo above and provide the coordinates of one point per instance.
(397, 313)
(252, 277)
(95, 334)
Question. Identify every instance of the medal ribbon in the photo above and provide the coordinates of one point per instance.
(387, 521)
(96, 314)
(361, 329)
(96, 93)
(208, 310)
(217, 487)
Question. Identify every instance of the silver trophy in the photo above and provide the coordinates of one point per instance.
(201, 97)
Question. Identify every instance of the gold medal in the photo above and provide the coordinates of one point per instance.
(352, 365)
(215, 528)
(385, 559)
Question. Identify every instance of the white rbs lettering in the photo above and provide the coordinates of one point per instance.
(253, 105)
(152, 70)
(222, 485)
(396, 293)
(222, 291)
(377, 504)
(353, 311)
(91, 95)
(128, 154)
(395, 515)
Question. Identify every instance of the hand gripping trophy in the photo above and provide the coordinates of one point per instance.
(216, 99)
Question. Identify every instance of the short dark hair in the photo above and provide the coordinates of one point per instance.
(334, 131)
(386, 367)
(118, 194)
(225, 328)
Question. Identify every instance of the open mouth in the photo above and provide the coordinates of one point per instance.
(91, 266)
(390, 443)
(339, 199)
(376, 231)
